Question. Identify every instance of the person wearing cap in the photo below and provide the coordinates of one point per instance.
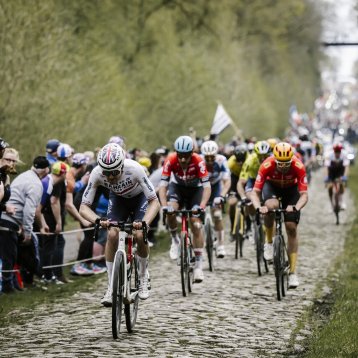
(26, 193)
(78, 169)
(64, 153)
(51, 150)
(47, 220)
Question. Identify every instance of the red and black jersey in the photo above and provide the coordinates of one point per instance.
(195, 175)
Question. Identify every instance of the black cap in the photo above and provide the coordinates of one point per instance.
(41, 162)
(3, 144)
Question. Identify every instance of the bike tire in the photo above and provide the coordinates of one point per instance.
(131, 309)
(190, 268)
(117, 293)
(209, 242)
(259, 243)
(183, 264)
(277, 261)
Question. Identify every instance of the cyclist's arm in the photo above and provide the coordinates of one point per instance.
(152, 211)
(226, 184)
(256, 198)
(241, 187)
(87, 213)
(206, 194)
(302, 201)
(162, 192)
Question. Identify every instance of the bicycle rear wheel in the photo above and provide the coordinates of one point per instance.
(209, 242)
(260, 242)
(278, 265)
(117, 293)
(190, 260)
(131, 308)
(183, 262)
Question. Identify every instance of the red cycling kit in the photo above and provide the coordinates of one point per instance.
(185, 185)
(287, 186)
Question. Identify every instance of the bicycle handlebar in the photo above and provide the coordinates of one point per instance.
(122, 226)
(188, 212)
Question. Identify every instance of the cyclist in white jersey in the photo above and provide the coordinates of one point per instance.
(131, 196)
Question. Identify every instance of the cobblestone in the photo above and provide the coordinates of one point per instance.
(233, 313)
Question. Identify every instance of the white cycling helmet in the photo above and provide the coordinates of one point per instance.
(184, 144)
(209, 148)
(111, 157)
(262, 147)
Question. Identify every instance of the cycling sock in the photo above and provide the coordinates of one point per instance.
(143, 263)
(220, 236)
(109, 272)
(293, 260)
(198, 258)
(174, 235)
(269, 234)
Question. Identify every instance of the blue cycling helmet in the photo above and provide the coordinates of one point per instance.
(184, 144)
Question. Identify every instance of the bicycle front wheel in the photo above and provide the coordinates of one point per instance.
(183, 262)
(131, 307)
(209, 242)
(117, 293)
(277, 261)
(260, 242)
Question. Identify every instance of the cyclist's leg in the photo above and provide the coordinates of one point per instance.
(216, 213)
(269, 197)
(232, 200)
(174, 199)
(193, 197)
(290, 197)
(139, 206)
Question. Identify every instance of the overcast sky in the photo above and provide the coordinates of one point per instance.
(341, 25)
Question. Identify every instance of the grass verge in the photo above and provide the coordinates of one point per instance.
(334, 316)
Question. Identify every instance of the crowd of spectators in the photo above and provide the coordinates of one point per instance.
(36, 204)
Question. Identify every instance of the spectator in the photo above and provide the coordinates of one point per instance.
(51, 150)
(26, 192)
(48, 237)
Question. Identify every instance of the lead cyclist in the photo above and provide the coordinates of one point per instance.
(131, 196)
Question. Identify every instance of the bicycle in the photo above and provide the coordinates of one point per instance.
(125, 277)
(280, 255)
(239, 228)
(336, 197)
(210, 239)
(259, 244)
(186, 256)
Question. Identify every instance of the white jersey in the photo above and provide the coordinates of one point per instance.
(331, 159)
(132, 182)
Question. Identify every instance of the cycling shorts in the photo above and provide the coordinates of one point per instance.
(122, 209)
(186, 197)
(215, 192)
(289, 196)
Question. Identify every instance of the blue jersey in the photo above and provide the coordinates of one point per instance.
(219, 170)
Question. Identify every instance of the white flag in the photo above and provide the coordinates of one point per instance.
(221, 120)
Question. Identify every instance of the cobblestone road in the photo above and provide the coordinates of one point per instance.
(234, 313)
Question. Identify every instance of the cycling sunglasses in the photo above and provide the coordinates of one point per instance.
(112, 173)
(210, 158)
(184, 155)
(283, 165)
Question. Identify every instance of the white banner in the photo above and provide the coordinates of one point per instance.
(221, 120)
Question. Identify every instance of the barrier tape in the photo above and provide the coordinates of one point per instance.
(63, 265)
(64, 232)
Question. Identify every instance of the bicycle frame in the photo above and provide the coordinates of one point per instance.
(336, 197)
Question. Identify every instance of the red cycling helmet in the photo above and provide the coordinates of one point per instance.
(337, 147)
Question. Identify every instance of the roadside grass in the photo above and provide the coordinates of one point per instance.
(334, 316)
(15, 306)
